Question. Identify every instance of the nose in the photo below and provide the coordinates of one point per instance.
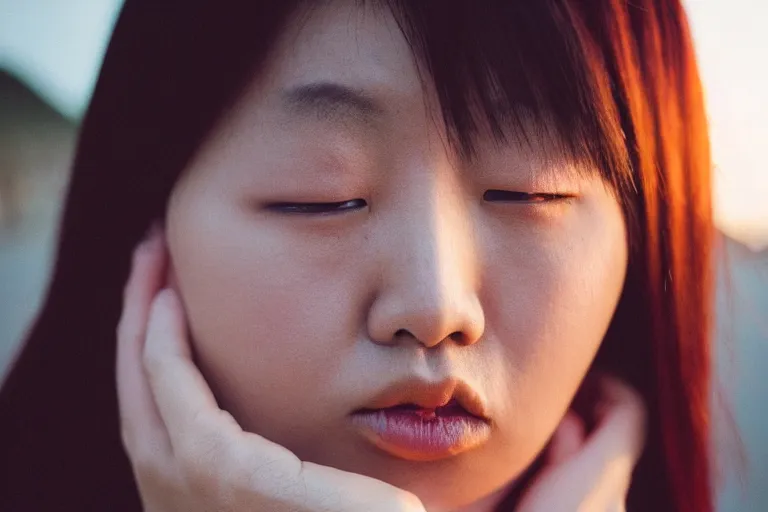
(428, 291)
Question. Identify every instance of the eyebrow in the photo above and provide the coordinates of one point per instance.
(331, 101)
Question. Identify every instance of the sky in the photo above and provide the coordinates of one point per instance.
(56, 47)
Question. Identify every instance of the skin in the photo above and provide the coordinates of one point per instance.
(296, 319)
(188, 454)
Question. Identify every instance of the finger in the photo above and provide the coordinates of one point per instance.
(140, 421)
(597, 476)
(359, 492)
(185, 401)
(611, 452)
(621, 426)
(567, 439)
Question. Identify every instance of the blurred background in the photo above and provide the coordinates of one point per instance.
(50, 53)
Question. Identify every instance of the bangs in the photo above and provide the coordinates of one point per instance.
(518, 68)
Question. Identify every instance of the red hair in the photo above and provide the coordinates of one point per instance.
(666, 107)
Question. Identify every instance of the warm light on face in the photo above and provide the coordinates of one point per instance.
(328, 245)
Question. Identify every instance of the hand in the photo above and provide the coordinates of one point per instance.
(592, 474)
(189, 455)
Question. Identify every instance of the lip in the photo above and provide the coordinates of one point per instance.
(414, 435)
(430, 395)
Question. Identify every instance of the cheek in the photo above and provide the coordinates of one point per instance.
(258, 304)
(551, 313)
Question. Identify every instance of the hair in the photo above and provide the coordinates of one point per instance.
(616, 81)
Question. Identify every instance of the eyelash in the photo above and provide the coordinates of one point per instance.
(513, 196)
(502, 196)
(317, 208)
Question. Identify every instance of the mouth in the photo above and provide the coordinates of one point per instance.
(420, 421)
(451, 409)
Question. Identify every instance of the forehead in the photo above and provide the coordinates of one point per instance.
(360, 46)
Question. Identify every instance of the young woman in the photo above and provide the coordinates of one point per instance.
(438, 255)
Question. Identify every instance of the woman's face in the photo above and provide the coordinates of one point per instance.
(413, 276)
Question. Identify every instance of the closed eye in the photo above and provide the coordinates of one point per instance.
(317, 208)
(511, 196)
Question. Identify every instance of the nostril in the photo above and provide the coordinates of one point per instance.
(456, 336)
(402, 332)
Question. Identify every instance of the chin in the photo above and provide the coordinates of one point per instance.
(447, 484)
